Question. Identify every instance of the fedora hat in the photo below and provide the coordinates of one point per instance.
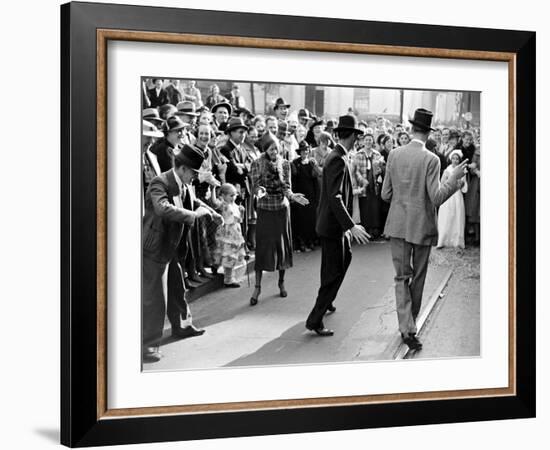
(190, 157)
(152, 115)
(303, 146)
(234, 124)
(422, 119)
(174, 123)
(186, 108)
(280, 102)
(303, 113)
(348, 122)
(148, 129)
(224, 105)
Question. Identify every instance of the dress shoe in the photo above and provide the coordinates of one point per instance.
(186, 332)
(232, 285)
(151, 355)
(331, 309)
(412, 342)
(320, 330)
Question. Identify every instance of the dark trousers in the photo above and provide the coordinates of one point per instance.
(335, 260)
(411, 265)
(154, 306)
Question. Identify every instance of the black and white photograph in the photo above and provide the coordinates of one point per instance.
(299, 224)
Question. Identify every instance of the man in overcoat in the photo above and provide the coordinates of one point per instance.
(412, 188)
(170, 210)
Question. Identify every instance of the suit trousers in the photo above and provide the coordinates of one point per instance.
(411, 265)
(335, 260)
(155, 303)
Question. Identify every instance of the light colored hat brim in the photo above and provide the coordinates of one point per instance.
(156, 134)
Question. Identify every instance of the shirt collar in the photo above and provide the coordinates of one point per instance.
(178, 180)
(234, 144)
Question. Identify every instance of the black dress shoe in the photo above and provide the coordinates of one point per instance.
(331, 309)
(232, 285)
(320, 330)
(151, 355)
(412, 342)
(186, 332)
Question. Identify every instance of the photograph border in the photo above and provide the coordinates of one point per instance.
(86, 30)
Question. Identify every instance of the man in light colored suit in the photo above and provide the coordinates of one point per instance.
(412, 187)
(170, 211)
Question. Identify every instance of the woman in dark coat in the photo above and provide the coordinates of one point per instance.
(270, 176)
(305, 176)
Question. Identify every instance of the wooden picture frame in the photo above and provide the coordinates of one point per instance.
(85, 30)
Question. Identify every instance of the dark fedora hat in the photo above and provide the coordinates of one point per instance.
(234, 124)
(348, 122)
(190, 157)
(224, 105)
(186, 108)
(422, 119)
(280, 102)
(303, 146)
(174, 123)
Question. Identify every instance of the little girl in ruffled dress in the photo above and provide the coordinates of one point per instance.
(231, 249)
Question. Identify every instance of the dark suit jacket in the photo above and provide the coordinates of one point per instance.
(412, 186)
(158, 100)
(336, 200)
(164, 224)
(232, 175)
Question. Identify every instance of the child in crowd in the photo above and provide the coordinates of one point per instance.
(230, 250)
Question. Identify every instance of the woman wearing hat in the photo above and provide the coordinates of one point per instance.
(451, 218)
(305, 179)
(315, 130)
(270, 175)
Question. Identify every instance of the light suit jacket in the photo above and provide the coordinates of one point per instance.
(164, 224)
(413, 188)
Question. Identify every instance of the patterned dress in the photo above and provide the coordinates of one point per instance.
(230, 250)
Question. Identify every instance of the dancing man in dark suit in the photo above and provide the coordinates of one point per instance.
(170, 211)
(334, 225)
(413, 188)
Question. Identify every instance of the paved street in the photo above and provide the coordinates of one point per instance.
(273, 332)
